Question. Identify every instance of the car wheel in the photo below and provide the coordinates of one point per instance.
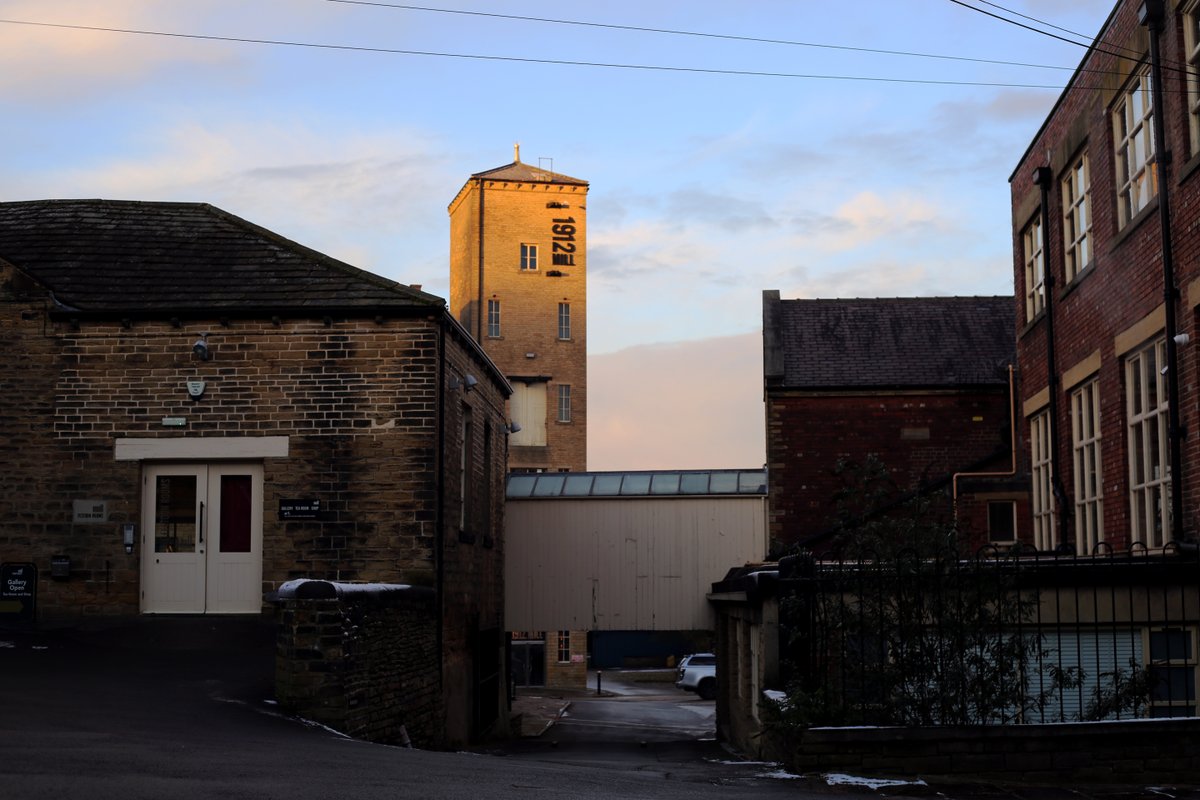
(707, 688)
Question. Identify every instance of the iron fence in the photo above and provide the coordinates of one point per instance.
(991, 638)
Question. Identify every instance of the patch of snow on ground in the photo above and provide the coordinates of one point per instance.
(780, 774)
(837, 779)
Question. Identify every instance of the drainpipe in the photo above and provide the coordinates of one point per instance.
(1043, 178)
(1150, 14)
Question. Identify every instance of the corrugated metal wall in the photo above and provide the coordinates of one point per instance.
(638, 563)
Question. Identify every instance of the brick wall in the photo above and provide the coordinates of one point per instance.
(569, 674)
(364, 664)
(919, 437)
(516, 213)
(1123, 286)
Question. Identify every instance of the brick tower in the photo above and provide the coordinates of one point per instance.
(518, 283)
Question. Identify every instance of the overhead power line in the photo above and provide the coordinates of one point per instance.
(527, 60)
(700, 34)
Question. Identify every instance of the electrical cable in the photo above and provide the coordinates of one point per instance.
(528, 60)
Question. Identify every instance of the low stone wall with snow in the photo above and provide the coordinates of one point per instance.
(361, 659)
(1137, 751)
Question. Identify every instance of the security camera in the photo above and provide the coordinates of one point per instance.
(200, 348)
(470, 381)
(514, 427)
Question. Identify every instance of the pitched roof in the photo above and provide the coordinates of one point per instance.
(913, 342)
(524, 173)
(115, 255)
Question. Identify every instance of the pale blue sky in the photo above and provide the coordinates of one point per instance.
(705, 188)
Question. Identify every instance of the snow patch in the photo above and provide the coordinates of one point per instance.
(838, 779)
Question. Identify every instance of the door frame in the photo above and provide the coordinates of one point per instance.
(211, 583)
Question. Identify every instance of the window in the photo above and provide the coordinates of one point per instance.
(1172, 673)
(1043, 493)
(1149, 469)
(1002, 521)
(1133, 132)
(527, 408)
(564, 403)
(564, 320)
(1191, 41)
(1077, 218)
(493, 318)
(464, 469)
(528, 257)
(1085, 442)
(1035, 270)
(564, 646)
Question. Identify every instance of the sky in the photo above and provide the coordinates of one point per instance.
(730, 148)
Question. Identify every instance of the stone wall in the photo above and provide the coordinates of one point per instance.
(1141, 752)
(528, 344)
(364, 663)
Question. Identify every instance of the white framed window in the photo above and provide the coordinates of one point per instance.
(1077, 218)
(1172, 668)
(564, 402)
(1133, 132)
(564, 647)
(1149, 462)
(1089, 480)
(529, 257)
(1190, 16)
(1002, 521)
(1035, 269)
(1043, 482)
(493, 319)
(564, 320)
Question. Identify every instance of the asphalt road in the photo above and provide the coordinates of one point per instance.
(182, 710)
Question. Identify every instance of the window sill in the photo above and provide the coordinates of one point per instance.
(1078, 279)
(1189, 166)
(1033, 323)
(1133, 224)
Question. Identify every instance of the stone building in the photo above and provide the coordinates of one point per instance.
(196, 410)
(1105, 205)
(518, 284)
(920, 384)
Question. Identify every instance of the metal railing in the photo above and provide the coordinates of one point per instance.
(991, 638)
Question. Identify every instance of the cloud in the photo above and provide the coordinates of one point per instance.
(685, 405)
(51, 64)
(362, 197)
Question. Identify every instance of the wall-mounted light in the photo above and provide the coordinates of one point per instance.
(466, 384)
(1182, 338)
(513, 427)
(200, 348)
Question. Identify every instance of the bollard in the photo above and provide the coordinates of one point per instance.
(599, 680)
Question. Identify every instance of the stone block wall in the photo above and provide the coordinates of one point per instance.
(516, 213)
(1139, 752)
(363, 663)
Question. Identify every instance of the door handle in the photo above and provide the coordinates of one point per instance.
(201, 522)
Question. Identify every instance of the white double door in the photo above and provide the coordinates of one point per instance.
(202, 538)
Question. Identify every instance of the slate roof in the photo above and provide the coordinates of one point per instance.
(907, 342)
(116, 255)
(524, 173)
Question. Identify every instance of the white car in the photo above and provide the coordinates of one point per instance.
(698, 673)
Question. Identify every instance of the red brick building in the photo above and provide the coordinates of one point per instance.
(196, 410)
(1105, 240)
(920, 384)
